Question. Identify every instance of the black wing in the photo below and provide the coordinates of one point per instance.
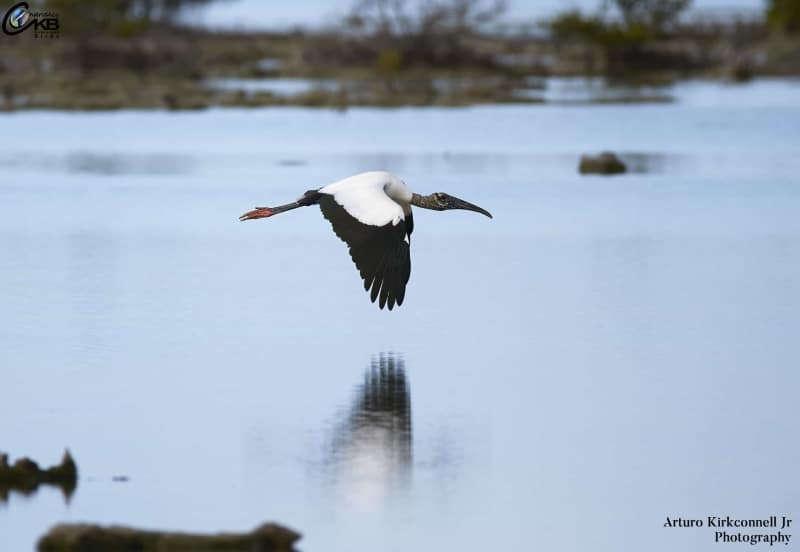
(381, 253)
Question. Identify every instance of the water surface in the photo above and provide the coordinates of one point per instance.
(603, 353)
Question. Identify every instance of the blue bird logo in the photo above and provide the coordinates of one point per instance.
(19, 17)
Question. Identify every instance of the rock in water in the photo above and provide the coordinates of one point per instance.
(25, 476)
(605, 163)
(269, 537)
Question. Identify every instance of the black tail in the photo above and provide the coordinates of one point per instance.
(311, 197)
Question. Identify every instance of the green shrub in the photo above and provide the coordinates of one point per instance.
(784, 15)
(389, 61)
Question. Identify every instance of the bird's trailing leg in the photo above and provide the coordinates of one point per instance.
(257, 213)
(311, 197)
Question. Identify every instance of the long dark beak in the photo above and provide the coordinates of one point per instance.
(467, 206)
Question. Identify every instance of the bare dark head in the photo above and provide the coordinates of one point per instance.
(440, 201)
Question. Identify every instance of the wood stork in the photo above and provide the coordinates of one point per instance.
(371, 213)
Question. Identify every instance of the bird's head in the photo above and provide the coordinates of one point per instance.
(440, 201)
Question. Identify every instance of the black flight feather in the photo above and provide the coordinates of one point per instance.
(381, 253)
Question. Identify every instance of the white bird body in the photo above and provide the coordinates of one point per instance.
(376, 198)
(371, 213)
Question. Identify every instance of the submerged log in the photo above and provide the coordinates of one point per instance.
(605, 163)
(269, 537)
(25, 476)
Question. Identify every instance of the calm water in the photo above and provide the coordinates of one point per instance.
(604, 353)
(279, 86)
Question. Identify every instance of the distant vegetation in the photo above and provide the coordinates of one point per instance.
(784, 15)
(392, 35)
(633, 38)
(627, 34)
(104, 33)
(621, 21)
(139, 53)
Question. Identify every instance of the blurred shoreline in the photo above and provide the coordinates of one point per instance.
(165, 65)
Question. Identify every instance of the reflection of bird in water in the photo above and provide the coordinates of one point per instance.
(372, 451)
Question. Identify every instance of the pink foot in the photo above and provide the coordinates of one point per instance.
(257, 213)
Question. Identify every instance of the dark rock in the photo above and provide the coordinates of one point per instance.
(269, 537)
(605, 163)
(25, 476)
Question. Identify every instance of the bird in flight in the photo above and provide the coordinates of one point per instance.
(371, 213)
